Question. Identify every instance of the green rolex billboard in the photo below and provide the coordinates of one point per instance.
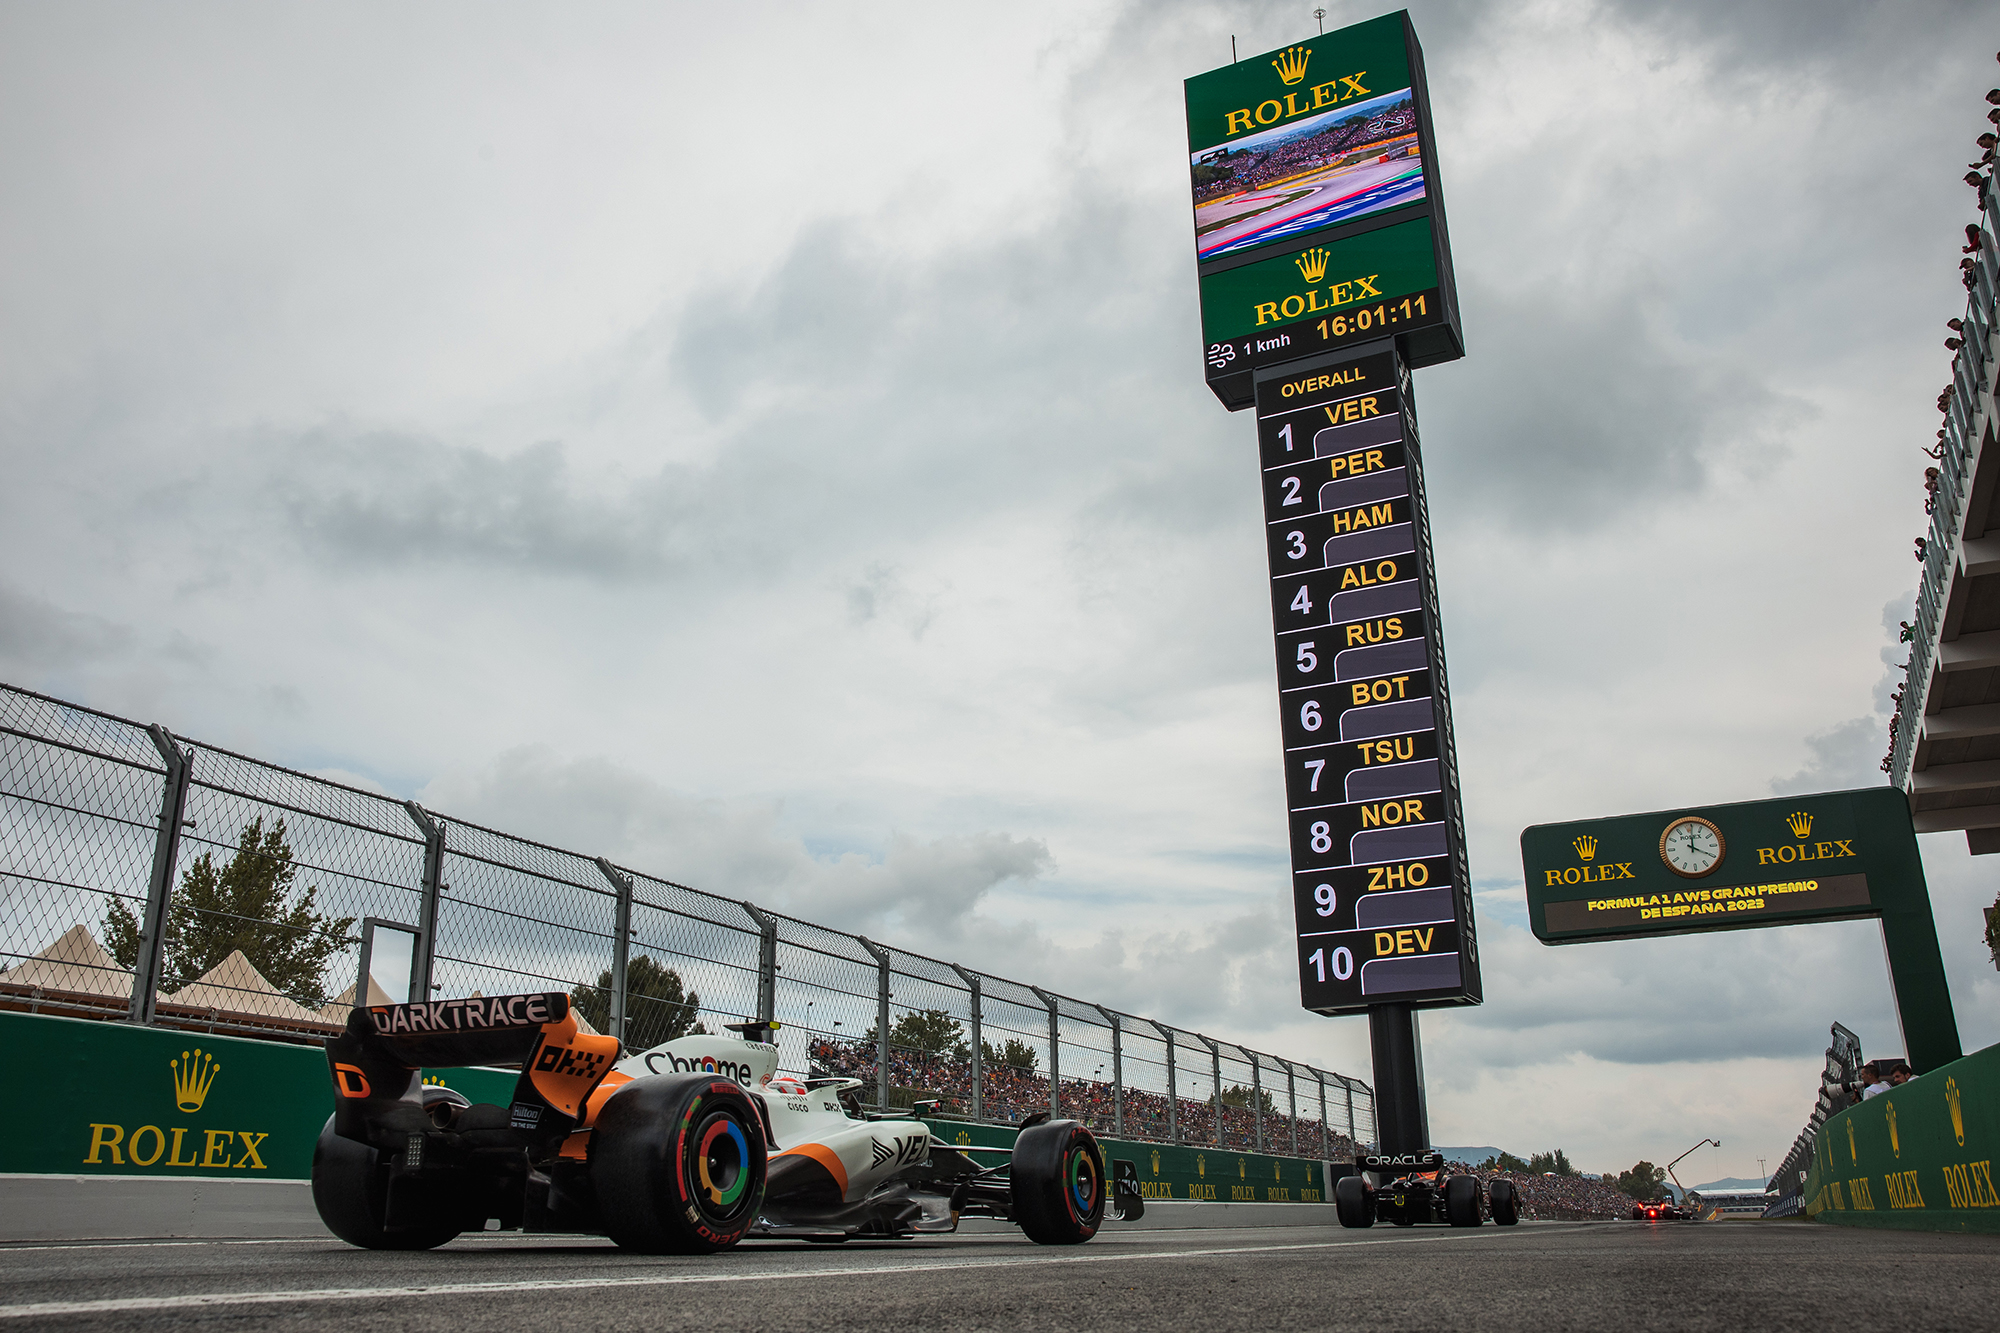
(1318, 213)
(1835, 856)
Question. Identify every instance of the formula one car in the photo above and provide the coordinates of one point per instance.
(1418, 1187)
(1664, 1211)
(686, 1148)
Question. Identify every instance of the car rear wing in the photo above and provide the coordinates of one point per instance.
(1398, 1164)
(377, 1064)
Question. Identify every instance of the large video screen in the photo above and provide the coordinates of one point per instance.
(1339, 166)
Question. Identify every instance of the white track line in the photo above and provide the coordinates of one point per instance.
(206, 1300)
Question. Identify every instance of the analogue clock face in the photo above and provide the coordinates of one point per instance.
(1691, 847)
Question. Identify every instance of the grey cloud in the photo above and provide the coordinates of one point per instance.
(1872, 42)
(1842, 756)
(1608, 414)
(39, 639)
(924, 889)
(379, 499)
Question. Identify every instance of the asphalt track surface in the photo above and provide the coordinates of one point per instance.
(1756, 1275)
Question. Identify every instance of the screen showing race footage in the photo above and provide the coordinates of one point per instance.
(1339, 166)
(1316, 135)
(1379, 884)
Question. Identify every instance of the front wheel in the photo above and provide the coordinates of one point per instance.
(1057, 1180)
(1461, 1201)
(1353, 1202)
(1503, 1203)
(677, 1162)
(351, 1191)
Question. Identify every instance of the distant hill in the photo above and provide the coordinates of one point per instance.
(1732, 1185)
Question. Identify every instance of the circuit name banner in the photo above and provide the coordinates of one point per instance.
(1381, 893)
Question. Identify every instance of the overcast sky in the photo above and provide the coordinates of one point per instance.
(767, 446)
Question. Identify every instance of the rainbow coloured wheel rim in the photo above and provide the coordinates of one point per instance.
(1083, 1181)
(722, 1164)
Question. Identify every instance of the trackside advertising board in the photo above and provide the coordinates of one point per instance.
(1380, 889)
(1833, 856)
(1318, 213)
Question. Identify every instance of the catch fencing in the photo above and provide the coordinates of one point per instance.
(165, 881)
(1839, 1081)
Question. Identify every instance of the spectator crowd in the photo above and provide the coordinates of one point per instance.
(1232, 173)
(1010, 1093)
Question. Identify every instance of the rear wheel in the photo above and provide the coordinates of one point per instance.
(1057, 1179)
(350, 1188)
(1461, 1201)
(1503, 1203)
(677, 1162)
(1353, 1202)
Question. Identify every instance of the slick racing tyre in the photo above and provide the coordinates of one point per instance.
(677, 1162)
(350, 1190)
(1058, 1183)
(1502, 1202)
(1461, 1201)
(1353, 1202)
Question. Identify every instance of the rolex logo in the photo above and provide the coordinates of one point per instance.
(1156, 1161)
(1895, 1142)
(1291, 64)
(1800, 823)
(1586, 847)
(1951, 1100)
(193, 1078)
(1312, 265)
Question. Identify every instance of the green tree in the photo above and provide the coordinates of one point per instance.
(1642, 1182)
(657, 1009)
(1554, 1161)
(250, 903)
(1016, 1054)
(1237, 1095)
(1504, 1161)
(930, 1030)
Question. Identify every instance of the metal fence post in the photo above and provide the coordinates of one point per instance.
(1325, 1142)
(424, 956)
(146, 967)
(1256, 1092)
(1352, 1135)
(1173, 1084)
(767, 962)
(621, 945)
(1215, 1058)
(1117, 1071)
(881, 956)
(1055, 1057)
(971, 980)
(1291, 1102)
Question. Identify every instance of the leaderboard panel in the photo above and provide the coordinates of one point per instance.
(1380, 892)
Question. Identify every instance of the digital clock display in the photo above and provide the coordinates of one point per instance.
(1380, 890)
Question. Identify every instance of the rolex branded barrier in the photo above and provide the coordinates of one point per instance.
(98, 1103)
(1918, 1158)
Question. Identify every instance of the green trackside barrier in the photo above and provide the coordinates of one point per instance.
(111, 1099)
(1169, 1171)
(1919, 1158)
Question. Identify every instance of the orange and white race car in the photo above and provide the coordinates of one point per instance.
(685, 1148)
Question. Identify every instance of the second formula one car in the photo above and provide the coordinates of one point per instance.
(1417, 1187)
(686, 1148)
(1665, 1210)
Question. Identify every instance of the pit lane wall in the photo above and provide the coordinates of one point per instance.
(1917, 1158)
(91, 1098)
(1198, 1172)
